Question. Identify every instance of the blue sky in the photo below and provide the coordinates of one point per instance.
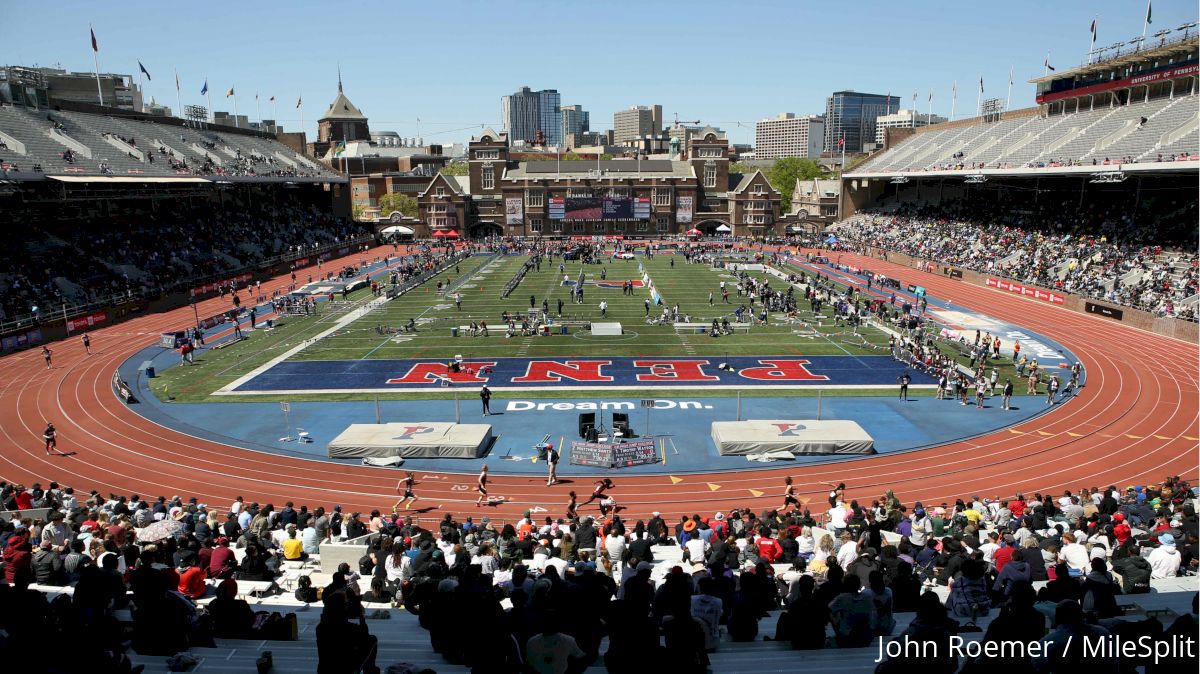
(448, 62)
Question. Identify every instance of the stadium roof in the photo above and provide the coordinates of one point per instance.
(1139, 168)
(1135, 56)
(128, 179)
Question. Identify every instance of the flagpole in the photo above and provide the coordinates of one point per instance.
(953, 99)
(301, 106)
(258, 106)
(929, 112)
(1092, 48)
(141, 87)
(96, 61)
(208, 92)
(1008, 99)
(979, 97)
(234, 97)
(275, 110)
(1146, 23)
(1046, 64)
(178, 96)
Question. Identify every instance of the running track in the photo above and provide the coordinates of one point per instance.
(1135, 422)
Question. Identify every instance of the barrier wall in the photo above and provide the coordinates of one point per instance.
(1168, 327)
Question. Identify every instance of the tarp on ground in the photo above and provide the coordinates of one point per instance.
(429, 440)
(757, 436)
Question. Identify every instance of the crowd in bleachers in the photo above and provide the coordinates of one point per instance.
(57, 255)
(548, 590)
(1080, 249)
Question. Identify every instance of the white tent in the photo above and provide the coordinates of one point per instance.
(723, 228)
(396, 230)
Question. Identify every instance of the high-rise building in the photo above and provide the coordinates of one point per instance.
(636, 122)
(904, 119)
(525, 112)
(575, 121)
(789, 136)
(851, 115)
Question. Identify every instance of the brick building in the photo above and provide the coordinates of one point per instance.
(626, 197)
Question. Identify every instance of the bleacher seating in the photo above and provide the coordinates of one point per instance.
(1023, 141)
(100, 144)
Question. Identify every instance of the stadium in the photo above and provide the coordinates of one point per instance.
(245, 427)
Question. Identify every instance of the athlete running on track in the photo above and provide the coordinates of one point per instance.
(599, 489)
(405, 488)
(481, 486)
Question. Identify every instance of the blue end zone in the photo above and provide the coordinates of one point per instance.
(583, 373)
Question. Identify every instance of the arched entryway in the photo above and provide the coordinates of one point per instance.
(713, 227)
(484, 229)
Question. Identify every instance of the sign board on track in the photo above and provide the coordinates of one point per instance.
(614, 455)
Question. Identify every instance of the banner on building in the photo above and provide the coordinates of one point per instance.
(1110, 312)
(683, 210)
(1027, 291)
(514, 211)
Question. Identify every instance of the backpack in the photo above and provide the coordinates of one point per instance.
(1135, 574)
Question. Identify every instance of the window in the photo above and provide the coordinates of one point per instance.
(756, 205)
(708, 152)
(556, 226)
(710, 175)
(662, 196)
(661, 224)
(643, 226)
(535, 225)
(759, 189)
(535, 198)
(439, 191)
(580, 192)
(618, 227)
(618, 192)
(487, 154)
(489, 177)
(597, 226)
(577, 227)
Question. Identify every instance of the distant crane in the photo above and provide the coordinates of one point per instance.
(685, 121)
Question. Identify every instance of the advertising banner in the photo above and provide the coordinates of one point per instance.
(83, 322)
(557, 208)
(683, 210)
(1027, 291)
(216, 285)
(514, 211)
(622, 454)
(1111, 312)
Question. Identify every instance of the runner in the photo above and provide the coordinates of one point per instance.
(47, 354)
(407, 495)
(571, 506)
(838, 493)
(481, 486)
(1007, 395)
(1051, 389)
(789, 494)
(599, 489)
(51, 437)
(904, 380)
(87, 344)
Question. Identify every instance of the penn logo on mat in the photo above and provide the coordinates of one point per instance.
(410, 431)
(789, 429)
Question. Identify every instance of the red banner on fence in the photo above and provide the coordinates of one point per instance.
(1027, 291)
(217, 285)
(84, 322)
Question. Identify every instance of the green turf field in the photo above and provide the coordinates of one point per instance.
(687, 285)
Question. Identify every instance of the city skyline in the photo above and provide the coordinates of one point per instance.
(258, 51)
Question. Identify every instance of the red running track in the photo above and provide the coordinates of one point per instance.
(1134, 422)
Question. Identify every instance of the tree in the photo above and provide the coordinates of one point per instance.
(606, 156)
(396, 201)
(784, 173)
(456, 168)
(356, 212)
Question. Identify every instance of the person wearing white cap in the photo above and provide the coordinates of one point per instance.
(1164, 560)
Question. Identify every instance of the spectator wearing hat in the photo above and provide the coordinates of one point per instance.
(1165, 559)
(223, 563)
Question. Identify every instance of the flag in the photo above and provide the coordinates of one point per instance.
(1148, 12)
(1093, 30)
(340, 149)
(954, 88)
(229, 93)
(842, 141)
(271, 99)
(299, 101)
(981, 85)
(144, 71)
(176, 82)
(1046, 63)
(204, 89)
(931, 97)
(95, 45)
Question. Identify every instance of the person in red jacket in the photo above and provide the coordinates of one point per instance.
(18, 560)
(1121, 530)
(24, 498)
(222, 564)
(191, 581)
(768, 547)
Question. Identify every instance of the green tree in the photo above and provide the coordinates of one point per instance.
(784, 173)
(606, 156)
(356, 212)
(455, 168)
(407, 205)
